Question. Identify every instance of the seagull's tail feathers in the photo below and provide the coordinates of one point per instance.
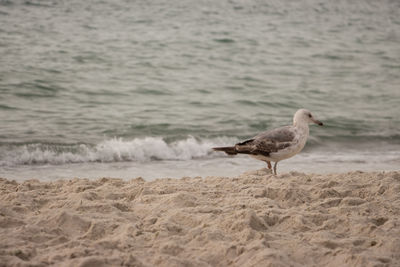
(230, 150)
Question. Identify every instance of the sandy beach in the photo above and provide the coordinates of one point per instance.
(255, 219)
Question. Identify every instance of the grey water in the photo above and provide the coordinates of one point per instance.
(146, 88)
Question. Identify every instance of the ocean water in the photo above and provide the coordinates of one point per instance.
(146, 88)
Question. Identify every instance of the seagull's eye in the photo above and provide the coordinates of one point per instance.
(309, 115)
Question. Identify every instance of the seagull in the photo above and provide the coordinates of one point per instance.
(276, 144)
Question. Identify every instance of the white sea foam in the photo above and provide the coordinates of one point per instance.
(150, 149)
(114, 150)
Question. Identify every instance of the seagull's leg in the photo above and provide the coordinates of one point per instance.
(269, 164)
(276, 163)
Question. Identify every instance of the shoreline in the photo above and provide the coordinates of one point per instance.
(224, 166)
(255, 219)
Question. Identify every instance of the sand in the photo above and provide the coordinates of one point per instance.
(256, 219)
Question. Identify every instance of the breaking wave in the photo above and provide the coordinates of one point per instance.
(113, 150)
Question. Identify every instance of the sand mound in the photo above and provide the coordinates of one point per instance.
(256, 219)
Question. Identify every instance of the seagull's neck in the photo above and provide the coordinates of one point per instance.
(302, 127)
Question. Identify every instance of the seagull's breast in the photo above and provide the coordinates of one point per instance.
(294, 148)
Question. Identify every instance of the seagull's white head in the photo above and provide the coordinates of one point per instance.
(304, 117)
